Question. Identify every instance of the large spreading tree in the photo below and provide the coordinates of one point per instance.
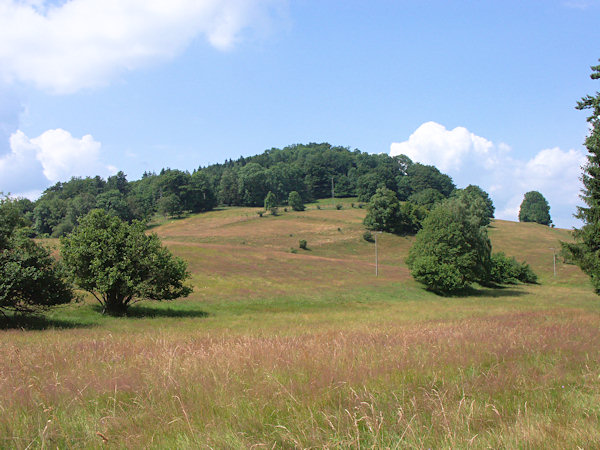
(586, 250)
(119, 264)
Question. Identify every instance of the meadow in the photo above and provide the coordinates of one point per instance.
(280, 347)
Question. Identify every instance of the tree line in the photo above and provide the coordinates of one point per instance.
(309, 170)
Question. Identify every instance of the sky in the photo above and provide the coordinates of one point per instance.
(484, 90)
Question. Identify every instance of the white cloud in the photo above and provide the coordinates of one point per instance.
(472, 159)
(55, 155)
(84, 43)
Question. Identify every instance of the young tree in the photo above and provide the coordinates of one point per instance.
(451, 250)
(30, 279)
(535, 208)
(295, 201)
(585, 252)
(271, 203)
(119, 264)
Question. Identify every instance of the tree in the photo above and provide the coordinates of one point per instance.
(271, 203)
(30, 279)
(585, 252)
(489, 205)
(383, 211)
(386, 213)
(295, 201)
(451, 250)
(169, 205)
(535, 208)
(119, 264)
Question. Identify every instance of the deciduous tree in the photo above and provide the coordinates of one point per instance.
(119, 264)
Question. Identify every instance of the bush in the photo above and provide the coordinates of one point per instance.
(506, 270)
(303, 244)
(339, 206)
(295, 201)
(368, 236)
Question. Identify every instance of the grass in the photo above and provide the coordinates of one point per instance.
(310, 350)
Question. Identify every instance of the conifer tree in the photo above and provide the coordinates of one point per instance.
(586, 249)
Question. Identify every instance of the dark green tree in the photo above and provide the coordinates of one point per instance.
(386, 213)
(295, 201)
(427, 198)
(169, 205)
(451, 250)
(119, 264)
(585, 252)
(490, 209)
(535, 208)
(30, 279)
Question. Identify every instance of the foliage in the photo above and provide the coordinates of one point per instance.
(506, 270)
(420, 177)
(535, 208)
(30, 279)
(339, 206)
(385, 213)
(451, 250)
(585, 252)
(271, 203)
(368, 236)
(302, 244)
(119, 264)
(169, 205)
(426, 198)
(295, 201)
(474, 190)
(308, 170)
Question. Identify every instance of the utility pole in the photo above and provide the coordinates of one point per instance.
(332, 193)
(554, 254)
(376, 255)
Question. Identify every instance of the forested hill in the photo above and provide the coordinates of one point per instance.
(307, 169)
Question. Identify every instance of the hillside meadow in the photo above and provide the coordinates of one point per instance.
(280, 347)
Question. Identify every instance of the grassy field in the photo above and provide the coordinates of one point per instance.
(307, 348)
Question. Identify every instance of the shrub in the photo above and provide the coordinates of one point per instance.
(339, 206)
(506, 270)
(295, 201)
(368, 236)
(303, 244)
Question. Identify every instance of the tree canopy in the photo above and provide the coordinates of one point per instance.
(119, 264)
(452, 249)
(30, 279)
(585, 252)
(535, 208)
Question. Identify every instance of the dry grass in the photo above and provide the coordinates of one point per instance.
(309, 350)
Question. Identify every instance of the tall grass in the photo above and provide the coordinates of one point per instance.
(312, 351)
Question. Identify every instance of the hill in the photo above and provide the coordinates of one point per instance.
(310, 349)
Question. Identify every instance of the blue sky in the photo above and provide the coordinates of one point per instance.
(485, 90)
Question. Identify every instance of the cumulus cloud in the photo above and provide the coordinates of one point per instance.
(77, 44)
(55, 155)
(472, 159)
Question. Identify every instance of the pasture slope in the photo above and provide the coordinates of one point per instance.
(308, 349)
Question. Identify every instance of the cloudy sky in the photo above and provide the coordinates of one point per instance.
(484, 90)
